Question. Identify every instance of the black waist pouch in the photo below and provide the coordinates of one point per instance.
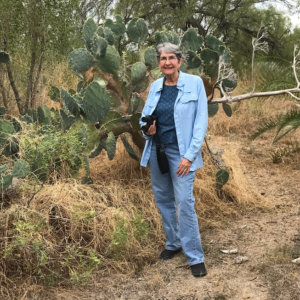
(162, 159)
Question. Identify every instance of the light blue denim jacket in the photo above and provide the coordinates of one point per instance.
(190, 115)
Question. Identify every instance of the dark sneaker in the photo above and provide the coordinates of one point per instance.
(199, 270)
(168, 254)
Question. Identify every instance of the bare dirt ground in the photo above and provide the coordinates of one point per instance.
(269, 238)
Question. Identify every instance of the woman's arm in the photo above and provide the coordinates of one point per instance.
(200, 124)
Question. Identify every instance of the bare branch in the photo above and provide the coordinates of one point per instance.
(258, 43)
(296, 64)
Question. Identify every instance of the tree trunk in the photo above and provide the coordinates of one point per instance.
(2, 88)
(36, 82)
(31, 71)
(11, 79)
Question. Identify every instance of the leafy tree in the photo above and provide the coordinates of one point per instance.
(39, 30)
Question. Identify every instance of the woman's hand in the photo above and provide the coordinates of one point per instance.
(152, 129)
(184, 167)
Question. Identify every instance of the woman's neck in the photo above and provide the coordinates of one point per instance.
(172, 79)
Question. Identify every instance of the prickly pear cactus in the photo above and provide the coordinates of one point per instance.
(112, 100)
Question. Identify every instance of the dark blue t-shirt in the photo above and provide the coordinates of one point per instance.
(164, 111)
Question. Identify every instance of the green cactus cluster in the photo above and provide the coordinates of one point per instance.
(112, 99)
(20, 170)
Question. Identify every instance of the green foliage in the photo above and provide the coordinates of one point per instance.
(129, 149)
(4, 57)
(118, 27)
(6, 131)
(283, 123)
(137, 30)
(2, 112)
(111, 146)
(222, 177)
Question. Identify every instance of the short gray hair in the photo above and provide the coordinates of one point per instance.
(168, 48)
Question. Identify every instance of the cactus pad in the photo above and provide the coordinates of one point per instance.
(163, 37)
(193, 60)
(41, 115)
(137, 30)
(227, 109)
(12, 148)
(54, 93)
(16, 124)
(6, 130)
(96, 102)
(150, 58)
(3, 168)
(214, 43)
(4, 57)
(129, 149)
(118, 27)
(111, 145)
(229, 84)
(2, 111)
(138, 73)
(209, 57)
(99, 46)
(80, 60)
(33, 114)
(109, 36)
(21, 169)
(111, 61)
(5, 181)
(134, 103)
(67, 122)
(89, 29)
(80, 86)
(142, 86)
(212, 109)
(191, 40)
(222, 177)
(112, 120)
(70, 103)
(98, 149)
(101, 82)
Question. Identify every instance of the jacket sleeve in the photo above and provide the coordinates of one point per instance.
(144, 113)
(200, 124)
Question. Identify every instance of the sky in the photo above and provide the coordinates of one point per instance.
(295, 18)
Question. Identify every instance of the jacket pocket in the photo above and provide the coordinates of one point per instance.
(188, 105)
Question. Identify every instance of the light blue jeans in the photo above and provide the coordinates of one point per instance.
(169, 189)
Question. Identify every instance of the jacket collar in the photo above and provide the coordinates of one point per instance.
(160, 82)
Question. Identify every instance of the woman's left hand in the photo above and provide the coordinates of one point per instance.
(184, 167)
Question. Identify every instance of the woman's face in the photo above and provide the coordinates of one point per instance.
(168, 63)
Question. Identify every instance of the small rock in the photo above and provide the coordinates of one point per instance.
(233, 251)
(296, 261)
(240, 259)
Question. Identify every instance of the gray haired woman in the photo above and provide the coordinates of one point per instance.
(178, 100)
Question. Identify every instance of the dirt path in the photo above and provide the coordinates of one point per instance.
(262, 237)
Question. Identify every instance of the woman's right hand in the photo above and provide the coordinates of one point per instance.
(152, 129)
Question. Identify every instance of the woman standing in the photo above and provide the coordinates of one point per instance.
(179, 102)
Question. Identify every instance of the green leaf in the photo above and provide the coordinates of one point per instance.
(6, 130)
(118, 27)
(137, 30)
(3, 168)
(191, 40)
(70, 103)
(80, 60)
(112, 120)
(89, 29)
(214, 43)
(21, 169)
(98, 149)
(111, 145)
(227, 109)
(193, 61)
(135, 121)
(5, 181)
(212, 109)
(138, 73)
(134, 103)
(111, 61)
(99, 46)
(222, 177)
(54, 93)
(129, 149)
(150, 58)
(96, 102)
(2, 111)
(4, 57)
